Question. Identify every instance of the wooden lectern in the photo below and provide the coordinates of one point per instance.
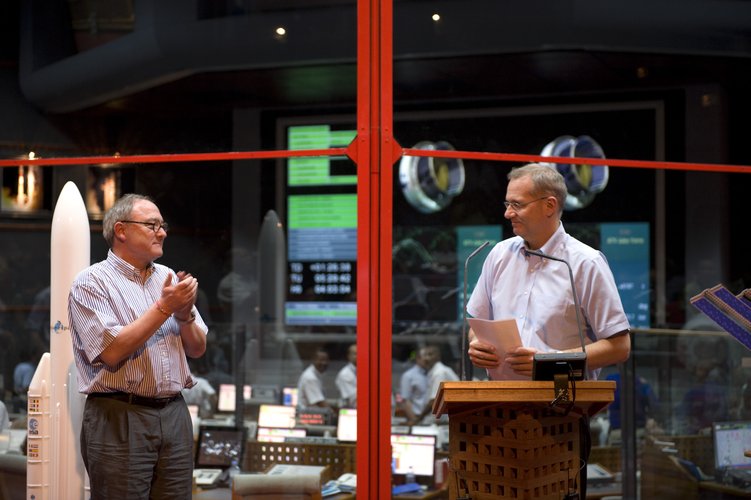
(506, 441)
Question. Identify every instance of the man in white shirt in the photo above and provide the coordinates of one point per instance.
(413, 390)
(310, 384)
(202, 395)
(346, 380)
(537, 291)
(437, 372)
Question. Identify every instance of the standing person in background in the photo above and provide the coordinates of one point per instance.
(134, 323)
(413, 389)
(202, 394)
(346, 380)
(437, 372)
(310, 391)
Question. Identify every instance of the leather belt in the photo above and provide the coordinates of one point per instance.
(137, 400)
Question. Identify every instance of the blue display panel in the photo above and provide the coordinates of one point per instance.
(626, 246)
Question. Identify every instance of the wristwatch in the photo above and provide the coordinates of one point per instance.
(190, 319)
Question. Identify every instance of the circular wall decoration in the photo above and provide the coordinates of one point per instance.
(429, 184)
(582, 181)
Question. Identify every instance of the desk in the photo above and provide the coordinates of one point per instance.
(226, 494)
(213, 494)
(711, 489)
(604, 490)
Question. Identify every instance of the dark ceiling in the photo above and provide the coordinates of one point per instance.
(490, 52)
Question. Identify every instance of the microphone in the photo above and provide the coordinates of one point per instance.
(464, 364)
(546, 365)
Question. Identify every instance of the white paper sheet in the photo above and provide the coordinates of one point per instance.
(504, 335)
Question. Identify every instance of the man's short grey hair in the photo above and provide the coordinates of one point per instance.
(546, 181)
(121, 210)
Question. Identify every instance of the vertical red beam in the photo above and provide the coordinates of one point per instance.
(374, 153)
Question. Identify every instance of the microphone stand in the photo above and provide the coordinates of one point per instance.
(572, 362)
(562, 367)
(465, 347)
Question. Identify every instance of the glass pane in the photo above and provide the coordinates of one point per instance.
(272, 242)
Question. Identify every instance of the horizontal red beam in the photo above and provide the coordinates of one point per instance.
(657, 165)
(466, 155)
(174, 158)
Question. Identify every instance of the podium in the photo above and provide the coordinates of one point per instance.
(506, 441)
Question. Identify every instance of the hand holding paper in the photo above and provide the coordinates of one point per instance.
(503, 335)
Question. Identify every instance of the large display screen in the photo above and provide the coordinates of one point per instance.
(321, 230)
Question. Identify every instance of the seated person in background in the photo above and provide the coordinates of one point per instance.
(706, 401)
(22, 375)
(646, 409)
(743, 411)
(203, 393)
(413, 390)
(310, 384)
(437, 372)
(346, 380)
(4, 419)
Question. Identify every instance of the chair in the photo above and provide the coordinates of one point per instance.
(281, 487)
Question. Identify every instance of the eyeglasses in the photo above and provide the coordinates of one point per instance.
(516, 206)
(154, 226)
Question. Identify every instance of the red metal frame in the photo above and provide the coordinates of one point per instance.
(375, 146)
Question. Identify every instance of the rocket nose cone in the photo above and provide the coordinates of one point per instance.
(271, 219)
(70, 191)
(70, 199)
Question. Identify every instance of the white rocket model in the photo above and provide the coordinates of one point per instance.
(272, 272)
(56, 471)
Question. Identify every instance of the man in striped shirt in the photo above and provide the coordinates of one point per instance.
(133, 324)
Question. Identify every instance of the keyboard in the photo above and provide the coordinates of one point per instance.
(740, 478)
(205, 477)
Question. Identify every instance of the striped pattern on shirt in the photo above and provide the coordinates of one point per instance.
(103, 299)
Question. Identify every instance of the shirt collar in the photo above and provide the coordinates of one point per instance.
(549, 247)
(127, 270)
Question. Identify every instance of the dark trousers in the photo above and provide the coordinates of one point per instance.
(137, 452)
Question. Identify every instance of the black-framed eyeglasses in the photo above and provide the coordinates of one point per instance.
(516, 206)
(154, 226)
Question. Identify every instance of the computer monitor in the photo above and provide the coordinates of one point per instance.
(226, 399)
(289, 396)
(278, 416)
(346, 427)
(277, 435)
(731, 440)
(411, 453)
(218, 446)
